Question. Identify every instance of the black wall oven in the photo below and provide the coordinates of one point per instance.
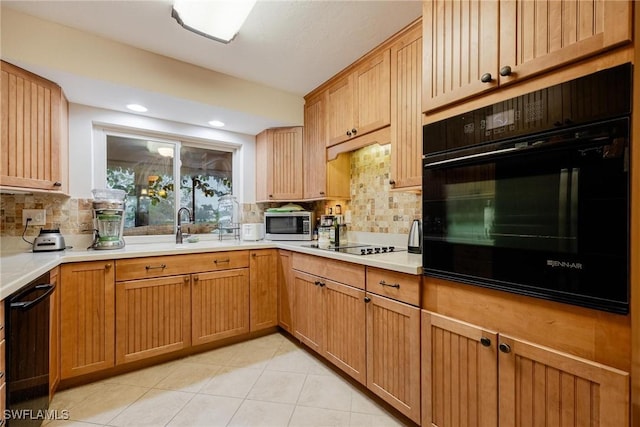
(531, 195)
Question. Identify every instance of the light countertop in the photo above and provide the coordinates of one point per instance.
(19, 268)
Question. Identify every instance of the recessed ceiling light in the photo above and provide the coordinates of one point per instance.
(137, 108)
(216, 123)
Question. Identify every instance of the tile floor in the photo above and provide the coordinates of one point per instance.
(267, 381)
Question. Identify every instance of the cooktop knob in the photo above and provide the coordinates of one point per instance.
(362, 251)
(369, 250)
(392, 248)
(376, 250)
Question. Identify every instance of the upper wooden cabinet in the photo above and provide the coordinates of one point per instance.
(322, 179)
(406, 114)
(279, 164)
(34, 132)
(359, 102)
(471, 47)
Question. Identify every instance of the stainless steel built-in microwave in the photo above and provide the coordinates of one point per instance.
(288, 225)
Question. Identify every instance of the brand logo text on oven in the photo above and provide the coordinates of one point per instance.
(564, 264)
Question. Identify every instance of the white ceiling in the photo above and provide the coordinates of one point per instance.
(288, 45)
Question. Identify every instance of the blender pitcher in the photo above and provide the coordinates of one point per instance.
(108, 218)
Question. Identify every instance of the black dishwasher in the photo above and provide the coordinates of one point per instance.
(27, 321)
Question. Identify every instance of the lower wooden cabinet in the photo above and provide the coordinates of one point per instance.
(87, 323)
(153, 316)
(459, 373)
(286, 300)
(54, 333)
(263, 279)
(344, 337)
(393, 353)
(472, 376)
(309, 310)
(220, 305)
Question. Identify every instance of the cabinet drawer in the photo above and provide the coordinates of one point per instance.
(339, 271)
(173, 265)
(399, 286)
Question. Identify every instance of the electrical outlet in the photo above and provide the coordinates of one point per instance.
(38, 216)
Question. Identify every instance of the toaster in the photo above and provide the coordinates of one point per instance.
(49, 240)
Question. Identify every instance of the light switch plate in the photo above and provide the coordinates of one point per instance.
(38, 216)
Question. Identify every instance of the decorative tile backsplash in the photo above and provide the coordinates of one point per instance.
(373, 206)
(72, 216)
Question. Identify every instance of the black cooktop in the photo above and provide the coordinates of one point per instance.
(359, 249)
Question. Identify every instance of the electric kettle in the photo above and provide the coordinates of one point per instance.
(414, 244)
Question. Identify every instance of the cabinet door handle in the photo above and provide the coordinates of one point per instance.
(155, 267)
(486, 78)
(367, 299)
(186, 279)
(221, 261)
(392, 182)
(322, 193)
(57, 184)
(322, 284)
(354, 131)
(107, 266)
(505, 348)
(485, 341)
(316, 283)
(394, 285)
(505, 71)
(348, 133)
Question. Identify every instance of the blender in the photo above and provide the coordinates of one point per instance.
(108, 218)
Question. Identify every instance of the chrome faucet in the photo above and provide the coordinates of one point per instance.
(179, 231)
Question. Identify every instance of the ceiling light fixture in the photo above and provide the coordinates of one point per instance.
(137, 108)
(216, 123)
(218, 20)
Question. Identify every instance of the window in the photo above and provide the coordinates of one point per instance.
(160, 175)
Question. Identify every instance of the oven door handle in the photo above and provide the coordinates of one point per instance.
(26, 305)
(450, 162)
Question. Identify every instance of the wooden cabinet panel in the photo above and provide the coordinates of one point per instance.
(466, 42)
(538, 36)
(153, 316)
(359, 103)
(399, 286)
(286, 293)
(309, 310)
(54, 333)
(322, 179)
(459, 374)
(373, 89)
(220, 305)
(345, 328)
(393, 354)
(174, 265)
(33, 136)
(539, 385)
(281, 149)
(406, 111)
(263, 279)
(315, 157)
(341, 118)
(460, 42)
(339, 271)
(87, 321)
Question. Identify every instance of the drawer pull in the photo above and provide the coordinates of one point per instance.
(155, 267)
(221, 261)
(394, 285)
(1, 375)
